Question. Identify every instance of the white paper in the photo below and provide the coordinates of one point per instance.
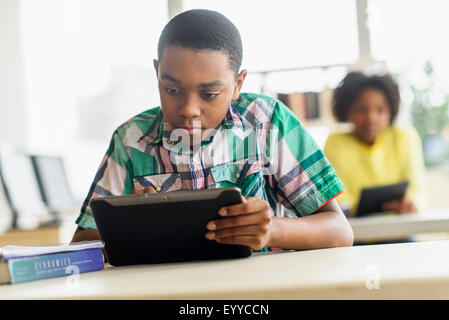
(9, 252)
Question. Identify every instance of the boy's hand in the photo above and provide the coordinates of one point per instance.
(149, 189)
(404, 205)
(247, 223)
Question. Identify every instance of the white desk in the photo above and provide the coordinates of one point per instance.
(400, 271)
(399, 226)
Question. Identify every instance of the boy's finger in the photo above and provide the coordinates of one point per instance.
(149, 189)
(236, 232)
(250, 241)
(247, 207)
(240, 220)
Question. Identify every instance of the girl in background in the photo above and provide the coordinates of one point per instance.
(376, 151)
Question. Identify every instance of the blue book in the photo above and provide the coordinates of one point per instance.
(36, 267)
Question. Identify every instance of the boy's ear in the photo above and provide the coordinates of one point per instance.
(238, 84)
(156, 65)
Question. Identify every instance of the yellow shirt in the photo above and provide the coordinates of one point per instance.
(396, 156)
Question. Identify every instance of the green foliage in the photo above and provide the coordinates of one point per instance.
(430, 115)
(430, 108)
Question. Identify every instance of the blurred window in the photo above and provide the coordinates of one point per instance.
(406, 34)
(88, 68)
(291, 33)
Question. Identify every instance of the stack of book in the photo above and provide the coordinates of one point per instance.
(21, 264)
(310, 105)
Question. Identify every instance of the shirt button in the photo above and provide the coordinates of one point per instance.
(237, 175)
(158, 188)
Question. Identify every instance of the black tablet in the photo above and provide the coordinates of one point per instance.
(371, 199)
(163, 227)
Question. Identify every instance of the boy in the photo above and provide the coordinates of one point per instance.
(207, 134)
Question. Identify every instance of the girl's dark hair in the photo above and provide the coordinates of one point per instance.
(201, 29)
(354, 83)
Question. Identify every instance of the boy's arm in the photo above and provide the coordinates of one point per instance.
(301, 179)
(252, 224)
(82, 234)
(326, 228)
(114, 177)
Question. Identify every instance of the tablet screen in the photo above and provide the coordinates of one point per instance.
(163, 227)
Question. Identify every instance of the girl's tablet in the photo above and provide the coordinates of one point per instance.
(163, 227)
(371, 199)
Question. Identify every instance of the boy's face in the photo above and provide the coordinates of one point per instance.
(370, 113)
(196, 86)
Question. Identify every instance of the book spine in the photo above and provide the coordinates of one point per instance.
(55, 265)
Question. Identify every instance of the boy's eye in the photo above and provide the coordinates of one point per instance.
(171, 91)
(210, 95)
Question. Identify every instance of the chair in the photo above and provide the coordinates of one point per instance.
(6, 212)
(53, 184)
(22, 190)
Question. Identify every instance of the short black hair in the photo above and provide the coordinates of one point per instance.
(354, 83)
(201, 29)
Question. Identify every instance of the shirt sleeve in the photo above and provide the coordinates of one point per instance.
(300, 176)
(114, 177)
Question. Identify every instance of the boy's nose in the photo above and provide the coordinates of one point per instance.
(191, 108)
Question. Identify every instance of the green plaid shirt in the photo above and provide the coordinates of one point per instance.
(260, 147)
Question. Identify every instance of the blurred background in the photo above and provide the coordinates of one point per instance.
(71, 71)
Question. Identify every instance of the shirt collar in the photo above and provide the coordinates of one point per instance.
(154, 133)
(233, 119)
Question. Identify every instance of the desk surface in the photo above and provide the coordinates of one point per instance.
(383, 227)
(395, 271)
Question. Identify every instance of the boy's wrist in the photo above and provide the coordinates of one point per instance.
(274, 232)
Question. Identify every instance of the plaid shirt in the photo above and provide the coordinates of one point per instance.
(260, 147)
